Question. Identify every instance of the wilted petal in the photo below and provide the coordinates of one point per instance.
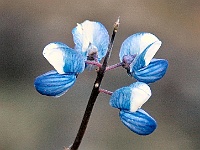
(136, 44)
(91, 38)
(64, 59)
(53, 83)
(132, 97)
(139, 122)
(153, 72)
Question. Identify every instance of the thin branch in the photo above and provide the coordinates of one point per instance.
(114, 66)
(105, 91)
(94, 93)
(93, 63)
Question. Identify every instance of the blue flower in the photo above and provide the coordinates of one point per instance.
(140, 122)
(91, 43)
(136, 54)
(91, 39)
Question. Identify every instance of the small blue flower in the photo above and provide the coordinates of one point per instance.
(139, 122)
(53, 83)
(64, 59)
(137, 52)
(91, 39)
(130, 98)
(153, 72)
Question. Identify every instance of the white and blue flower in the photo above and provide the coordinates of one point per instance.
(91, 43)
(91, 39)
(137, 52)
(129, 101)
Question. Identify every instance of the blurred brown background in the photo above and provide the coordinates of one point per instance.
(30, 121)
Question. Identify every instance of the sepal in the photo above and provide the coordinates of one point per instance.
(54, 84)
(153, 72)
(140, 122)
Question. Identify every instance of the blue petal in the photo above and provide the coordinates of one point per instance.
(139, 122)
(136, 44)
(53, 83)
(132, 97)
(91, 37)
(64, 59)
(121, 98)
(153, 72)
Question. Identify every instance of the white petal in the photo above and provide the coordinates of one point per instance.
(140, 93)
(55, 56)
(151, 52)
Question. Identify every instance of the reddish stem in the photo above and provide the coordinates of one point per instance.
(105, 91)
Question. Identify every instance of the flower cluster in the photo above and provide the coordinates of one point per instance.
(91, 43)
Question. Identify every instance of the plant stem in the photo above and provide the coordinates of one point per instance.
(93, 63)
(114, 66)
(105, 91)
(94, 93)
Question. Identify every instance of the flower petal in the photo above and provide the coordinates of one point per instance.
(145, 57)
(121, 98)
(91, 37)
(53, 83)
(153, 72)
(139, 122)
(136, 44)
(64, 59)
(132, 97)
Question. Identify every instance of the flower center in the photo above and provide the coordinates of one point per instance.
(127, 60)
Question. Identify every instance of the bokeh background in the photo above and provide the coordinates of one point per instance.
(30, 121)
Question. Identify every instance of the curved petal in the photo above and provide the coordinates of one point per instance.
(53, 83)
(64, 59)
(145, 57)
(153, 72)
(137, 43)
(132, 97)
(139, 122)
(90, 38)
